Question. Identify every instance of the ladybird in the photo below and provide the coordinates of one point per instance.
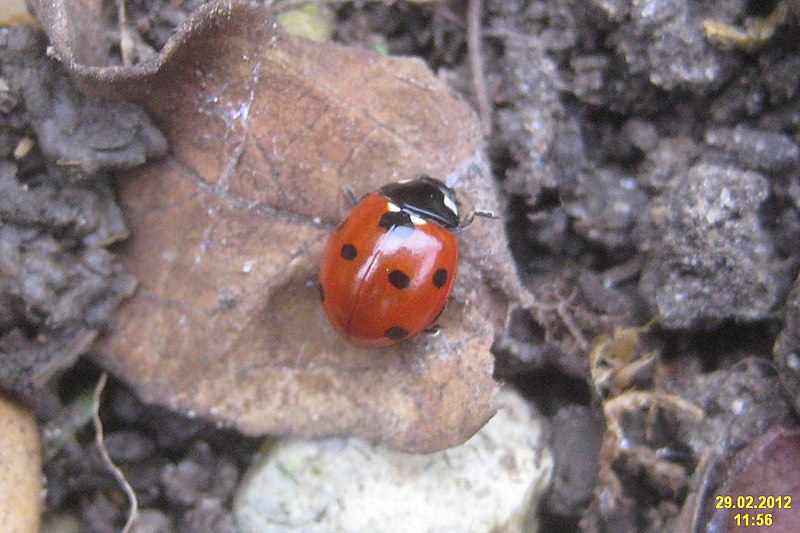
(389, 266)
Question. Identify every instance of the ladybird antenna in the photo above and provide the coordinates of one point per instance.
(476, 213)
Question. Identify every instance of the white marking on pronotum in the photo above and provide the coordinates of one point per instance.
(417, 221)
(450, 204)
(391, 207)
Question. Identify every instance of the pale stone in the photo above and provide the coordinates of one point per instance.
(489, 483)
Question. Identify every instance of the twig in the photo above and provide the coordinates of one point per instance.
(474, 13)
(98, 428)
(566, 317)
(125, 40)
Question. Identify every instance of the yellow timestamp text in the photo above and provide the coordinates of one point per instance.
(756, 520)
(753, 502)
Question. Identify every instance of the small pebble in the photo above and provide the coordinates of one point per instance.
(489, 483)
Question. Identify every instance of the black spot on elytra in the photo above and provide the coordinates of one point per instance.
(321, 291)
(349, 252)
(440, 278)
(395, 219)
(399, 279)
(396, 333)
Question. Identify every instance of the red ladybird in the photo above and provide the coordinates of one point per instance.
(389, 266)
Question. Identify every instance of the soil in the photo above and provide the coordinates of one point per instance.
(648, 173)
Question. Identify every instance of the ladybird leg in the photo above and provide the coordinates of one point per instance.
(476, 213)
(351, 196)
(433, 329)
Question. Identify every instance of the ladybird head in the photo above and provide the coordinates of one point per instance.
(425, 197)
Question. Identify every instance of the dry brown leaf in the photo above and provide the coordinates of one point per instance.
(265, 130)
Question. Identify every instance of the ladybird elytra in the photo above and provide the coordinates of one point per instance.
(388, 268)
